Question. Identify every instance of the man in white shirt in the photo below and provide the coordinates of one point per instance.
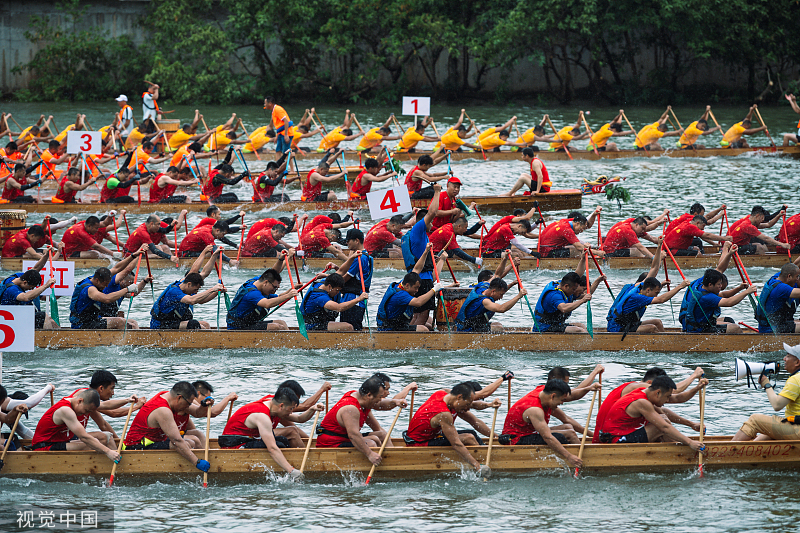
(149, 105)
(125, 115)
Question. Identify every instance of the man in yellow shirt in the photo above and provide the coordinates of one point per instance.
(775, 427)
(688, 140)
(330, 142)
(535, 134)
(497, 129)
(493, 142)
(455, 136)
(78, 126)
(145, 131)
(303, 130)
(565, 135)
(734, 137)
(648, 137)
(415, 135)
(600, 139)
(374, 137)
(188, 133)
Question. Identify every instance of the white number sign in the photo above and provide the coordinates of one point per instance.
(63, 272)
(84, 142)
(17, 328)
(388, 202)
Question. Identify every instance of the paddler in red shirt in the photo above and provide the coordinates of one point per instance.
(58, 426)
(363, 183)
(448, 210)
(156, 425)
(383, 239)
(746, 232)
(528, 421)
(444, 238)
(419, 174)
(252, 426)
(341, 427)
(622, 240)
(312, 184)
(433, 424)
(559, 239)
(681, 240)
(634, 417)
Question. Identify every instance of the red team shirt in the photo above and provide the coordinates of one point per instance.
(681, 238)
(259, 243)
(316, 239)
(620, 237)
(743, 231)
(197, 240)
(76, 239)
(790, 232)
(557, 235)
(378, 237)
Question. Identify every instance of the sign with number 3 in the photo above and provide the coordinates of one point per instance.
(388, 202)
(84, 142)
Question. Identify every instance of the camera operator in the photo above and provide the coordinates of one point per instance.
(775, 427)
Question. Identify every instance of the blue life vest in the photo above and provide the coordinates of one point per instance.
(696, 285)
(6, 284)
(387, 322)
(83, 309)
(313, 312)
(782, 315)
(627, 321)
(688, 317)
(113, 308)
(353, 285)
(555, 318)
(170, 312)
(473, 316)
(239, 316)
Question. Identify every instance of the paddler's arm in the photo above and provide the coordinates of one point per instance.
(102, 425)
(266, 303)
(687, 395)
(599, 369)
(348, 417)
(564, 417)
(308, 403)
(67, 416)
(535, 417)
(307, 414)
(444, 421)
(165, 421)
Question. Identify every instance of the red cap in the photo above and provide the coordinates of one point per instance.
(454, 180)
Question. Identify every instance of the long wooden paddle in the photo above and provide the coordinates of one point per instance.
(591, 141)
(230, 410)
(519, 284)
(589, 325)
(702, 427)
(441, 296)
(366, 305)
(586, 430)
(411, 409)
(121, 441)
(383, 446)
(635, 134)
(308, 444)
(208, 444)
(491, 434)
(557, 136)
(8, 441)
(758, 113)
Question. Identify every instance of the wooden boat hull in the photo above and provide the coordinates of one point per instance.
(558, 264)
(552, 201)
(515, 340)
(402, 462)
(577, 154)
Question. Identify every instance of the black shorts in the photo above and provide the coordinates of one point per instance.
(424, 286)
(120, 200)
(321, 197)
(100, 323)
(713, 330)
(425, 193)
(557, 328)
(442, 441)
(39, 319)
(640, 435)
(796, 249)
(353, 316)
(240, 441)
(317, 326)
(55, 447)
(226, 198)
(558, 253)
(75, 255)
(399, 328)
(624, 252)
(179, 199)
(383, 253)
(160, 445)
(260, 325)
(23, 200)
(272, 252)
(748, 249)
(532, 440)
(277, 198)
(493, 254)
(737, 144)
(349, 444)
(690, 252)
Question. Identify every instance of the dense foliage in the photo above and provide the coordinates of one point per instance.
(225, 51)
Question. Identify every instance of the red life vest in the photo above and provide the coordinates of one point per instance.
(413, 186)
(261, 194)
(62, 194)
(618, 422)
(107, 194)
(515, 424)
(160, 193)
(237, 424)
(211, 190)
(310, 192)
(139, 429)
(358, 189)
(11, 193)
(420, 429)
(546, 183)
(331, 425)
(48, 431)
(605, 407)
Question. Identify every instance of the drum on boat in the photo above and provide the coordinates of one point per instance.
(169, 125)
(11, 221)
(453, 298)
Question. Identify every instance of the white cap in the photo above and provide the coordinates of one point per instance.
(122, 98)
(792, 350)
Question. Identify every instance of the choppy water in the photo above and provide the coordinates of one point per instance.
(730, 500)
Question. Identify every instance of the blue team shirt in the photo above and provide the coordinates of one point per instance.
(418, 240)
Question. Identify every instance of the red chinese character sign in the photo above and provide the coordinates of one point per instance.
(63, 272)
(388, 202)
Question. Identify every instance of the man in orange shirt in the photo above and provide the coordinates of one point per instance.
(697, 128)
(281, 123)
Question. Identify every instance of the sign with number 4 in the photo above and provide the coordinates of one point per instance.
(388, 202)
(84, 142)
(17, 328)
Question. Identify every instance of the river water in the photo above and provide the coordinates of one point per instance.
(725, 500)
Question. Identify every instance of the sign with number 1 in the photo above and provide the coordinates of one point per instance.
(416, 105)
(84, 142)
(388, 202)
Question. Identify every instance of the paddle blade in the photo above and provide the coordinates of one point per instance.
(227, 301)
(301, 323)
(111, 480)
(368, 479)
(589, 325)
(54, 307)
